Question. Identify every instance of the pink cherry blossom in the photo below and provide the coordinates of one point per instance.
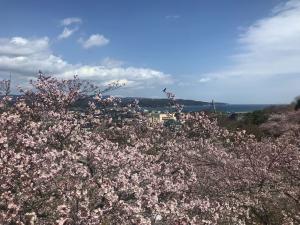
(60, 166)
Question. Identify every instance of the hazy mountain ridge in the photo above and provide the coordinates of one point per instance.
(145, 102)
(163, 102)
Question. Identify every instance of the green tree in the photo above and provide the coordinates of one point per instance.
(297, 106)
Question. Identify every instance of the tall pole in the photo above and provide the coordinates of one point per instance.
(213, 106)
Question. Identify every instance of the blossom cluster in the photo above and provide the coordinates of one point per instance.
(60, 166)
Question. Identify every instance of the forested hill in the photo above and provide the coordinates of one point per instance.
(156, 102)
(145, 102)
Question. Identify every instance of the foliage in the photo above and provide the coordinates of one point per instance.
(248, 121)
(297, 105)
(257, 117)
(64, 167)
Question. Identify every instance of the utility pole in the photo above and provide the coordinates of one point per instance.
(9, 84)
(213, 106)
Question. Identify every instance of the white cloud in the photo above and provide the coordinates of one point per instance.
(110, 62)
(71, 20)
(67, 32)
(204, 79)
(269, 50)
(138, 75)
(18, 46)
(94, 40)
(24, 57)
(121, 81)
(271, 45)
(172, 17)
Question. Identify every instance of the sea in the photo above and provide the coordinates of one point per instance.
(230, 108)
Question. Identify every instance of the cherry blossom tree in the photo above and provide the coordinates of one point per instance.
(60, 166)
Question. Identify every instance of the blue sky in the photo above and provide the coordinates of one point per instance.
(235, 51)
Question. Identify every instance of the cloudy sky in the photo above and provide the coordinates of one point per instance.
(235, 51)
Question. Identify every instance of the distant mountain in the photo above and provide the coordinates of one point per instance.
(145, 102)
(157, 102)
